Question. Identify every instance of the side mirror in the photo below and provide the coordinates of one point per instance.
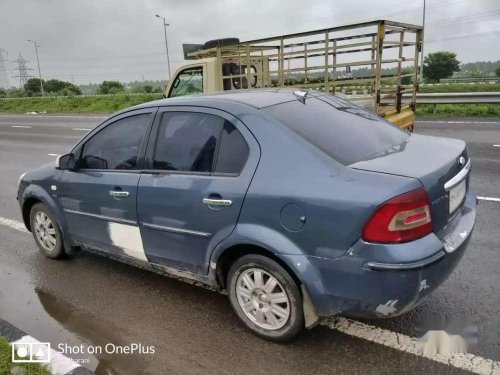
(65, 162)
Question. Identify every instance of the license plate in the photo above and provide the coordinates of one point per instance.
(457, 195)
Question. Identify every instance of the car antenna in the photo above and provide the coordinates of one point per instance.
(301, 95)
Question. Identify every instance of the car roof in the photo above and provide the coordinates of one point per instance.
(256, 98)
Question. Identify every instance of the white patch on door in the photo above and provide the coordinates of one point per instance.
(128, 238)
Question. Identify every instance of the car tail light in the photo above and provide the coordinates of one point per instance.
(401, 219)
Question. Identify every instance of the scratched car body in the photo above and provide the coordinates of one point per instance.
(300, 205)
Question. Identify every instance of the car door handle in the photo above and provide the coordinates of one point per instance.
(217, 202)
(119, 193)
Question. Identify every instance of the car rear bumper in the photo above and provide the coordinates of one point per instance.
(380, 280)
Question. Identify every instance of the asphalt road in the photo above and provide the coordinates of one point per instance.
(92, 300)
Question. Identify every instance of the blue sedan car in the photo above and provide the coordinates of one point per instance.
(300, 205)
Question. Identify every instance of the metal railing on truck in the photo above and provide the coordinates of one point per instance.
(384, 55)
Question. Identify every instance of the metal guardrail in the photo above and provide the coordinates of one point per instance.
(470, 80)
(436, 98)
(458, 98)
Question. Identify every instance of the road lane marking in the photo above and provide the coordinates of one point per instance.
(491, 199)
(21, 126)
(464, 361)
(398, 341)
(68, 116)
(82, 129)
(53, 154)
(496, 145)
(17, 225)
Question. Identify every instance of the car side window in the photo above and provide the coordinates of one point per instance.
(116, 146)
(189, 81)
(233, 150)
(187, 141)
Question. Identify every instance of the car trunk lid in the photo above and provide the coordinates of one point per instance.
(432, 160)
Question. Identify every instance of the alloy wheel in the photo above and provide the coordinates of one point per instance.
(45, 231)
(262, 298)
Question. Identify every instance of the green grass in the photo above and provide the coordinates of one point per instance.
(446, 110)
(103, 104)
(6, 364)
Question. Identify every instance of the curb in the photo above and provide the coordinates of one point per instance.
(58, 365)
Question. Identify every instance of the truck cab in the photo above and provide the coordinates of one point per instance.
(206, 76)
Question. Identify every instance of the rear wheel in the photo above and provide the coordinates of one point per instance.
(46, 232)
(265, 297)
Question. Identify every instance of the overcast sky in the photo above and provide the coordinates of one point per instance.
(88, 41)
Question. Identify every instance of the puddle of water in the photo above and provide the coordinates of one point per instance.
(104, 336)
(47, 318)
(20, 306)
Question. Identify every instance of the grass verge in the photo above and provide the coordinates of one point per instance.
(6, 364)
(445, 110)
(102, 104)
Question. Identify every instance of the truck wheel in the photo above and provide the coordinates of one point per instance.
(220, 42)
(265, 298)
(46, 232)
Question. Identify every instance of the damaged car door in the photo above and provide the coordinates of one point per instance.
(201, 162)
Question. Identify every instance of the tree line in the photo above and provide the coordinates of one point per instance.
(55, 87)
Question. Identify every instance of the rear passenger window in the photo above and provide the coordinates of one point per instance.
(191, 142)
(233, 150)
(187, 141)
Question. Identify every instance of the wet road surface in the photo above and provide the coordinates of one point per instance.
(93, 300)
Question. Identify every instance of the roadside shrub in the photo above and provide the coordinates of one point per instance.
(110, 87)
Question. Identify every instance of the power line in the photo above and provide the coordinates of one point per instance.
(105, 66)
(464, 36)
(466, 19)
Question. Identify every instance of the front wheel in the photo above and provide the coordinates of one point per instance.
(46, 232)
(265, 297)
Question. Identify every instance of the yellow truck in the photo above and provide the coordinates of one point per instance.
(373, 63)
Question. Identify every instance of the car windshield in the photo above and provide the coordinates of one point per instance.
(345, 131)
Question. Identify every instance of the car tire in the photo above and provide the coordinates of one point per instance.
(271, 307)
(46, 232)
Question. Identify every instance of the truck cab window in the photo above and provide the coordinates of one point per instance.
(187, 82)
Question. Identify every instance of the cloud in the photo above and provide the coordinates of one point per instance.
(121, 39)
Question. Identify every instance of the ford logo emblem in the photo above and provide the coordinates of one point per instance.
(461, 161)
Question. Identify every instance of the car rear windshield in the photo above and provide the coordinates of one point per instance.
(345, 131)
